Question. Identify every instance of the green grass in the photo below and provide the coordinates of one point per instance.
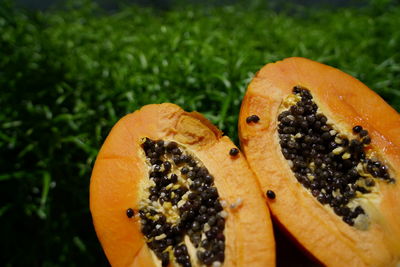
(67, 76)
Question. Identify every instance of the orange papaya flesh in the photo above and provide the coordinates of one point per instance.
(168, 189)
(329, 149)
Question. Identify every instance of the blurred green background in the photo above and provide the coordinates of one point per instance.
(68, 73)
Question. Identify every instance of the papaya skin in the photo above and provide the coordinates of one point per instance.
(347, 102)
(120, 167)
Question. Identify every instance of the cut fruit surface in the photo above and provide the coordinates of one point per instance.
(326, 151)
(168, 189)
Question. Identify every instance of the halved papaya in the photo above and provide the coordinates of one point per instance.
(168, 189)
(326, 151)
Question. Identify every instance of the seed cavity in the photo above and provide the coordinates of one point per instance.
(181, 212)
(334, 168)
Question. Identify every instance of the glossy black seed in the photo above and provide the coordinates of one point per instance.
(205, 243)
(287, 121)
(178, 251)
(183, 158)
(217, 206)
(212, 192)
(220, 256)
(148, 144)
(173, 178)
(184, 170)
(165, 259)
(353, 172)
(209, 202)
(338, 210)
(208, 179)
(196, 184)
(321, 198)
(153, 190)
(208, 260)
(366, 140)
(220, 236)
(252, 118)
(348, 220)
(184, 248)
(202, 172)
(359, 210)
(156, 168)
(349, 194)
(363, 133)
(160, 143)
(220, 223)
(270, 194)
(325, 128)
(210, 234)
(315, 192)
(383, 169)
(298, 110)
(283, 115)
(317, 125)
(326, 136)
(167, 165)
(306, 95)
(160, 245)
(369, 182)
(176, 159)
(202, 218)
(155, 161)
(345, 211)
(191, 174)
(192, 162)
(311, 118)
(192, 196)
(289, 130)
(130, 213)
(160, 150)
(212, 221)
(172, 145)
(318, 162)
(195, 238)
(297, 89)
(200, 255)
(234, 151)
(362, 189)
(322, 118)
(196, 226)
(357, 129)
(153, 197)
(314, 185)
(176, 151)
(211, 211)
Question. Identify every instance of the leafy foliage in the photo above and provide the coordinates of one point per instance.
(66, 76)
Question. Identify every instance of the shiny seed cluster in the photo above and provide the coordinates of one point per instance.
(182, 201)
(335, 169)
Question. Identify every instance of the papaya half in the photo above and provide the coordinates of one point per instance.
(326, 151)
(168, 189)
